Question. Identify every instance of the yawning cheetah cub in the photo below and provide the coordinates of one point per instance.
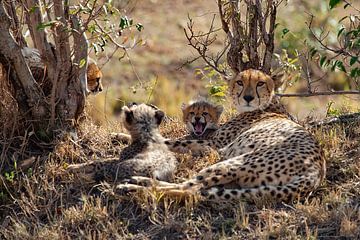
(201, 118)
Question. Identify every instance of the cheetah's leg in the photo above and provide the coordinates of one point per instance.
(121, 137)
(147, 181)
(126, 188)
(218, 174)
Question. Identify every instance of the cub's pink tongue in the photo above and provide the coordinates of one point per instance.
(198, 128)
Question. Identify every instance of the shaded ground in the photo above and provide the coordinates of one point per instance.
(40, 202)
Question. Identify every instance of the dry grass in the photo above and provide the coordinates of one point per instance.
(41, 202)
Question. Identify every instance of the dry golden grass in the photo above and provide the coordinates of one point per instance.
(41, 202)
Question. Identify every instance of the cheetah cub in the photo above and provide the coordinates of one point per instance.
(266, 154)
(147, 155)
(201, 118)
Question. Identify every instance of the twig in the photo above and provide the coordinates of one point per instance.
(225, 25)
(201, 46)
(342, 119)
(312, 94)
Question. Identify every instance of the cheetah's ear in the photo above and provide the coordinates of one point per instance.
(183, 106)
(129, 115)
(132, 104)
(219, 110)
(159, 116)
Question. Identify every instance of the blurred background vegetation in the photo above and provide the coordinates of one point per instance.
(159, 70)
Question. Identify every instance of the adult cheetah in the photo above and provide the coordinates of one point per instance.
(266, 153)
(147, 155)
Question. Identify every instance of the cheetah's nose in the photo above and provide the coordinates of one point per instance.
(248, 98)
(197, 119)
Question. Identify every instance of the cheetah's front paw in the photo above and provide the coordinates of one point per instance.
(120, 137)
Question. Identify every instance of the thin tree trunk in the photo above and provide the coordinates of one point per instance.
(20, 74)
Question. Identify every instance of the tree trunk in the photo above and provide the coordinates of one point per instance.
(58, 101)
(28, 94)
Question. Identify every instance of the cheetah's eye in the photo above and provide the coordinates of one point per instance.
(192, 113)
(240, 83)
(260, 84)
(205, 113)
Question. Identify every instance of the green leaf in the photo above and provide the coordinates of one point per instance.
(32, 9)
(355, 72)
(340, 31)
(139, 27)
(284, 32)
(125, 22)
(353, 60)
(82, 63)
(313, 51)
(42, 26)
(333, 65)
(340, 66)
(322, 60)
(333, 3)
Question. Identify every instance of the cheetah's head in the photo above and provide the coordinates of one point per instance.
(200, 116)
(141, 120)
(94, 76)
(252, 90)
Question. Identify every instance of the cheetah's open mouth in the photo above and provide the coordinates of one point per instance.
(199, 128)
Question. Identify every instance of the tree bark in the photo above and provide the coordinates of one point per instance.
(11, 57)
(39, 36)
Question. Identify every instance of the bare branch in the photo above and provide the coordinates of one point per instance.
(269, 41)
(350, 118)
(225, 25)
(38, 35)
(252, 12)
(312, 94)
(62, 49)
(15, 24)
(201, 43)
(81, 44)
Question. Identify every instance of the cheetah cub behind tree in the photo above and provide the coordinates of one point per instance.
(266, 153)
(147, 155)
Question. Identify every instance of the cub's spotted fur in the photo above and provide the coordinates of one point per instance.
(266, 153)
(201, 118)
(147, 155)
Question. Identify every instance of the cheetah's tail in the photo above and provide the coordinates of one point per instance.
(297, 188)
